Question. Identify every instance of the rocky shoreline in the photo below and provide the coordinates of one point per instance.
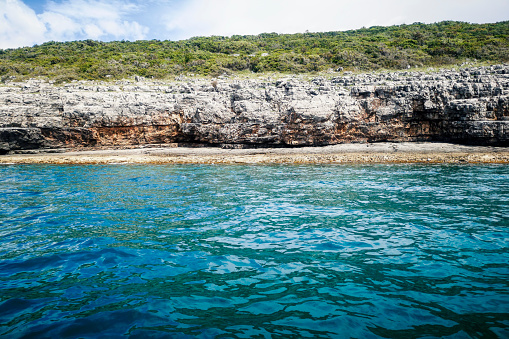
(406, 152)
(464, 106)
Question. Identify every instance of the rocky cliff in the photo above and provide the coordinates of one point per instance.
(470, 105)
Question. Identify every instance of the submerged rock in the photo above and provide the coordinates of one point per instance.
(467, 106)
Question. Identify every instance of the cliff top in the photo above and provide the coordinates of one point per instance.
(367, 49)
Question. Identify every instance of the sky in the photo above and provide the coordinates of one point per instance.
(29, 22)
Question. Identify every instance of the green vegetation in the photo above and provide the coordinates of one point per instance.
(366, 49)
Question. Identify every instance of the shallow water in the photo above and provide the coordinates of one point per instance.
(400, 251)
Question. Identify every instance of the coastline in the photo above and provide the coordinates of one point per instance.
(464, 106)
(360, 153)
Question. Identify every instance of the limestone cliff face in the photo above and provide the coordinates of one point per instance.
(466, 106)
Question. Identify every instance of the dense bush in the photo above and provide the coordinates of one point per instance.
(394, 47)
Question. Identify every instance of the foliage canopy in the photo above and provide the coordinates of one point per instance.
(366, 49)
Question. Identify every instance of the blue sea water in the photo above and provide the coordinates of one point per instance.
(208, 251)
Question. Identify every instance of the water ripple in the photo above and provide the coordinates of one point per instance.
(400, 251)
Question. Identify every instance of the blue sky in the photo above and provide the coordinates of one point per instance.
(29, 22)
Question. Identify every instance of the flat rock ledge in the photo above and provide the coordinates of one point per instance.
(406, 152)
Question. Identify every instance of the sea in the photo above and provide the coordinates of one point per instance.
(257, 251)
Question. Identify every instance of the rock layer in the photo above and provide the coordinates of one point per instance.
(470, 106)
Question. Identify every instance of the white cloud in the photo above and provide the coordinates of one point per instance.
(68, 20)
(19, 25)
(93, 19)
(228, 17)
(64, 20)
(59, 27)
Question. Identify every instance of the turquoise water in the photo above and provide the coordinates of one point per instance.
(399, 251)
